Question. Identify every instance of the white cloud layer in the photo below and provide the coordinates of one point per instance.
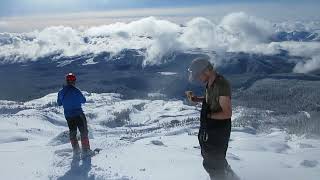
(236, 32)
(308, 66)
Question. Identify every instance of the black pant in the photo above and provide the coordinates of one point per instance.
(78, 122)
(214, 140)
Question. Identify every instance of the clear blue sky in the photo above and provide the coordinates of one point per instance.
(27, 7)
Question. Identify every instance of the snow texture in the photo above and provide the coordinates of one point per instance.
(140, 139)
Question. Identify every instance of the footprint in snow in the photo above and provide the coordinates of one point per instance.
(309, 163)
(157, 143)
(67, 152)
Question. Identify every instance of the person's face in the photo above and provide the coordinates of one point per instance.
(203, 77)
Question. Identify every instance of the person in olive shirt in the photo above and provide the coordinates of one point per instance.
(215, 118)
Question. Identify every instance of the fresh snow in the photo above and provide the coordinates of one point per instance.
(141, 139)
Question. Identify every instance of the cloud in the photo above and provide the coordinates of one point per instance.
(203, 33)
(236, 32)
(308, 66)
(248, 28)
(309, 51)
(159, 37)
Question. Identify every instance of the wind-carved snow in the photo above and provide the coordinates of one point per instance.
(141, 139)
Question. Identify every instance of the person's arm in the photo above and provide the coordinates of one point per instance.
(224, 101)
(82, 98)
(226, 113)
(59, 99)
(193, 98)
(197, 99)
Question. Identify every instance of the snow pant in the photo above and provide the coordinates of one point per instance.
(78, 122)
(214, 140)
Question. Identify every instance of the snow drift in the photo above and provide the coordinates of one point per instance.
(143, 139)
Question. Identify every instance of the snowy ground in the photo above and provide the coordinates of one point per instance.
(141, 139)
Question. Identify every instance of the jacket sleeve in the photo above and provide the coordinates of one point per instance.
(59, 99)
(82, 98)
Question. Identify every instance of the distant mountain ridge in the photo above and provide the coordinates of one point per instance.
(303, 36)
(125, 74)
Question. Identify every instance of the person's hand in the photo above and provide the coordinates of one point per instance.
(191, 97)
(189, 94)
(194, 99)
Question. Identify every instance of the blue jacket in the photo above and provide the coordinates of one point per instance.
(71, 99)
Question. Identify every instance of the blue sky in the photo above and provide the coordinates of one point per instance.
(29, 15)
(29, 7)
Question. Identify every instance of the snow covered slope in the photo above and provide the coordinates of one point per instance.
(141, 139)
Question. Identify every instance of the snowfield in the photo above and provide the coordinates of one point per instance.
(143, 140)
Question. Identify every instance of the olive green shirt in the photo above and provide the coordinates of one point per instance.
(220, 87)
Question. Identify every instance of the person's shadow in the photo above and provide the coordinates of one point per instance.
(78, 171)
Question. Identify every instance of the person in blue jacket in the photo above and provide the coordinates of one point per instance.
(71, 99)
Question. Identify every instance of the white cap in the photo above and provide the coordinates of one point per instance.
(197, 66)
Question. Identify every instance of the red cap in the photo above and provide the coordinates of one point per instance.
(70, 77)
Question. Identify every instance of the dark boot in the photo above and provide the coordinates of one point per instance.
(86, 151)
